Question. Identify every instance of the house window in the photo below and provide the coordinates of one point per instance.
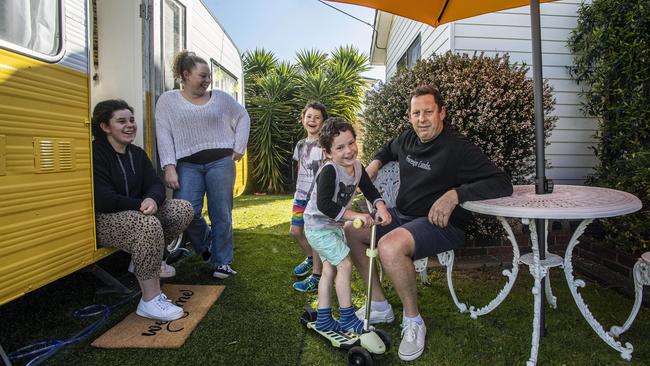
(32, 27)
(223, 80)
(411, 56)
(173, 38)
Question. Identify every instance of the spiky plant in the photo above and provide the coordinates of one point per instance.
(272, 130)
(311, 60)
(257, 63)
(277, 91)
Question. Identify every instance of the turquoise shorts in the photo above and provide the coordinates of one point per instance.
(330, 244)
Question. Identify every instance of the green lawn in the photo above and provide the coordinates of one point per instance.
(256, 319)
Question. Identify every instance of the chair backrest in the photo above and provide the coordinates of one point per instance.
(387, 182)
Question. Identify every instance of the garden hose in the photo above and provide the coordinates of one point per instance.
(46, 349)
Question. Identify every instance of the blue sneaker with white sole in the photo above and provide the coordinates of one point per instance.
(303, 268)
(309, 284)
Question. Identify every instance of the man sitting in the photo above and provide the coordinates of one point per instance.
(439, 168)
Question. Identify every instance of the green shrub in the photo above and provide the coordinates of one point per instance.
(488, 99)
(276, 92)
(611, 47)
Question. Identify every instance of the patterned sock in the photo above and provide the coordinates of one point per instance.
(349, 320)
(316, 276)
(325, 322)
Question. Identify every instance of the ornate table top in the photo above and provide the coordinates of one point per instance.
(566, 202)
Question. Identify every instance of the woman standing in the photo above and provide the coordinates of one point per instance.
(200, 135)
(131, 211)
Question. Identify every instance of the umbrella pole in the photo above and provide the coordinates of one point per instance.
(536, 30)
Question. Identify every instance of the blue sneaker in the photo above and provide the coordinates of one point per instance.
(304, 267)
(309, 284)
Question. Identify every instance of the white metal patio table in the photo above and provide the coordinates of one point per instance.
(566, 202)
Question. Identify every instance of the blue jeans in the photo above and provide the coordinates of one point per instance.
(215, 180)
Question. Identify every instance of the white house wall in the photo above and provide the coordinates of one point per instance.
(402, 34)
(207, 38)
(569, 153)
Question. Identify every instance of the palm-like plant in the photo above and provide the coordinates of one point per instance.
(345, 68)
(311, 60)
(271, 108)
(257, 63)
(275, 94)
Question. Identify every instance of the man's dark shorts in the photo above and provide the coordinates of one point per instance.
(429, 239)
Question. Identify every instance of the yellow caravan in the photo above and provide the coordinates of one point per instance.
(57, 59)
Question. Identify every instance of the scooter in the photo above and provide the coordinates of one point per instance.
(360, 347)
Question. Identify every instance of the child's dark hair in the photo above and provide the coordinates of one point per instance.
(103, 112)
(333, 127)
(314, 105)
(185, 61)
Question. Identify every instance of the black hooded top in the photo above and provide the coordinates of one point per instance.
(428, 170)
(123, 181)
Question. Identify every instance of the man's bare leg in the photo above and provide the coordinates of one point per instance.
(396, 250)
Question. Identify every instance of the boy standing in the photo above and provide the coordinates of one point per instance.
(328, 207)
(309, 155)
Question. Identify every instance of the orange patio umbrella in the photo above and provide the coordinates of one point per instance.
(436, 12)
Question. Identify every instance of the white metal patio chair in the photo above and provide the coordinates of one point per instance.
(388, 182)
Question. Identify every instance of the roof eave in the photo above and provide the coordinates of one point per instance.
(382, 24)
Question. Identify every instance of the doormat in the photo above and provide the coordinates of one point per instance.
(138, 332)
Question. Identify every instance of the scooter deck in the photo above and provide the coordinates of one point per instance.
(344, 340)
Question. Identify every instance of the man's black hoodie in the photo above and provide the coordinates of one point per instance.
(123, 181)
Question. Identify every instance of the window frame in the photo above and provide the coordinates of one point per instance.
(214, 63)
(406, 60)
(409, 61)
(10, 46)
(162, 43)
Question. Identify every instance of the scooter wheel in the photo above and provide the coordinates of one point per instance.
(385, 337)
(359, 356)
(309, 315)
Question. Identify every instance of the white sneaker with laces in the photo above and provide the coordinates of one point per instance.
(412, 344)
(377, 317)
(166, 271)
(159, 308)
(223, 271)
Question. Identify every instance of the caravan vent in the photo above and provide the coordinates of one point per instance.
(66, 158)
(44, 159)
(53, 155)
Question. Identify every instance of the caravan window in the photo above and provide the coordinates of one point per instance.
(32, 27)
(223, 80)
(173, 38)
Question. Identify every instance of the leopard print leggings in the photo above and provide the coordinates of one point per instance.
(144, 236)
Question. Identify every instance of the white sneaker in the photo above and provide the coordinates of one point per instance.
(166, 271)
(377, 317)
(159, 308)
(224, 271)
(412, 345)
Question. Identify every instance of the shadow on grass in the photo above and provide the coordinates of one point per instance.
(247, 201)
